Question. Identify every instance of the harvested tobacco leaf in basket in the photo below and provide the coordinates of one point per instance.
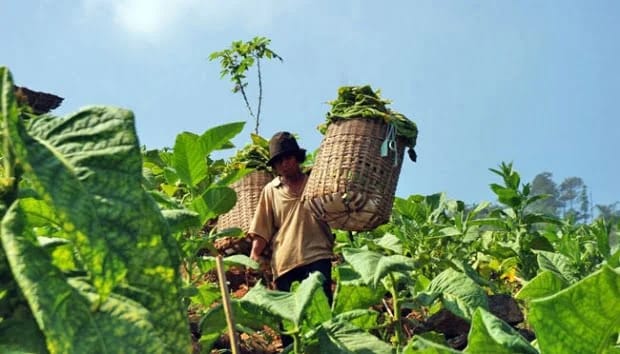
(253, 156)
(356, 170)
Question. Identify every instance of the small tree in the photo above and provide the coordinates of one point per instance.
(237, 60)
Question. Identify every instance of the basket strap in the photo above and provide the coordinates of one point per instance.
(390, 143)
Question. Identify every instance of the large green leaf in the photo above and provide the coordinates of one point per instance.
(207, 294)
(190, 159)
(557, 263)
(191, 151)
(338, 336)
(411, 207)
(219, 200)
(9, 112)
(489, 334)
(69, 162)
(88, 167)
(214, 201)
(40, 213)
(245, 313)
(218, 137)
(20, 333)
(460, 294)
(352, 293)
(506, 195)
(390, 242)
(421, 345)
(181, 219)
(373, 266)
(544, 284)
(306, 302)
(71, 313)
(208, 263)
(362, 319)
(584, 318)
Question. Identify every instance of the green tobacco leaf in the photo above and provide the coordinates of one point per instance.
(40, 213)
(489, 334)
(20, 333)
(362, 319)
(505, 195)
(352, 293)
(467, 269)
(294, 306)
(62, 253)
(207, 263)
(190, 159)
(373, 266)
(584, 318)
(89, 168)
(80, 166)
(171, 176)
(480, 207)
(207, 294)
(421, 345)
(71, 313)
(614, 259)
(219, 200)
(544, 284)
(342, 337)
(218, 137)
(9, 112)
(259, 140)
(214, 201)
(541, 218)
(390, 242)
(460, 294)
(247, 314)
(557, 263)
(180, 219)
(410, 207)
(241, 259)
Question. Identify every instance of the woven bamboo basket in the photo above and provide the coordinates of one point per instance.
(248, 191)
(352, 185)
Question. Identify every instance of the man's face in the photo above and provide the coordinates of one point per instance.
(286, 166)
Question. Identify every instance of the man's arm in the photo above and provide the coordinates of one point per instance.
(258, 245)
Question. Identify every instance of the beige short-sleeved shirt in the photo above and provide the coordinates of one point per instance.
(296, 236)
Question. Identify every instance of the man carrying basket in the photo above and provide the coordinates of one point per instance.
(301, 243)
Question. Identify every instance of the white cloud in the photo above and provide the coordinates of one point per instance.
(154, 20)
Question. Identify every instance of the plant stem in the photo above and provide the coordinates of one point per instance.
(296, 344)
(260, 94)
(398, 330)
(245, 98)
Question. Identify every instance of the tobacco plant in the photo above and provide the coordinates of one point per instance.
(87, 259)
(192, 190)
(305, 315)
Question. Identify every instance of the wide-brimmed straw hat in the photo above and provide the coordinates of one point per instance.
(284, 144)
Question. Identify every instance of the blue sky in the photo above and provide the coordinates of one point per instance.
(532, 82)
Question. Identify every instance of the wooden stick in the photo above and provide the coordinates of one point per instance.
(232, 334)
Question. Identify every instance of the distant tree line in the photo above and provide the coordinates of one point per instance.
(569, 199)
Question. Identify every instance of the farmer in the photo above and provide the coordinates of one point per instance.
(301, 243)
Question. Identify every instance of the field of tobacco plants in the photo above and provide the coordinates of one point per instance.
(108, 247)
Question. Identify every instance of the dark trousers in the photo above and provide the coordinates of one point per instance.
(285, 281)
